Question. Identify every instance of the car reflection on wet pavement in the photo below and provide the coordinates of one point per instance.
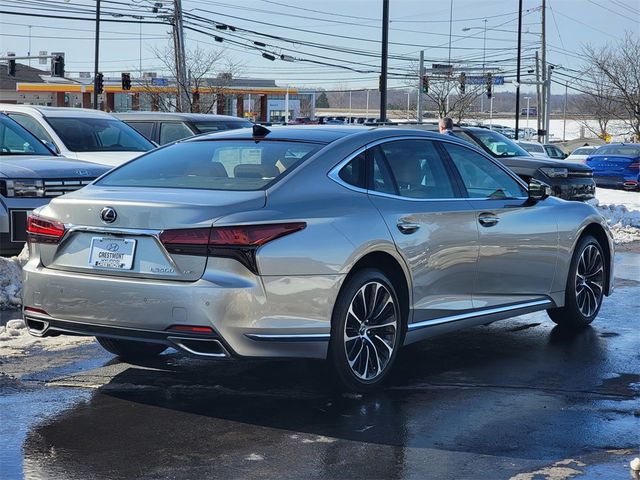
(509, 400)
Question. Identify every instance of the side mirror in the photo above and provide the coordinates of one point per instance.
(538, 190)
(565, 155)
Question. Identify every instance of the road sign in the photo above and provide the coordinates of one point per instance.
(441, 68)
(482, 79)
(159, 82)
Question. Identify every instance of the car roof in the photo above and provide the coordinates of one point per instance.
(56, 111)
(191, 117)
(316, 133)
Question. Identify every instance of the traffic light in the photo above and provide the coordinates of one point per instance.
(425, 84)
(11, 67)
(463, 82)
(99, 86)
(57, 68)
(126, 81)
(489, 85)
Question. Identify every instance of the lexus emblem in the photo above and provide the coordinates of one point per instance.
(108, 215)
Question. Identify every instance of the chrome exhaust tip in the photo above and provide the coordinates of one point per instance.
(200, 347)
(36, 327)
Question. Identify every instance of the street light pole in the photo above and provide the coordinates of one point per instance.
(518, 67)
(96, 56)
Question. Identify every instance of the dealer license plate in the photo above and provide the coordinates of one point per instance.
(110, 252)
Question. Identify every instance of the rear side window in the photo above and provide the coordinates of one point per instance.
(213, 165)
(417, 170)
(354, 172)
(172, 131)
(143, 128)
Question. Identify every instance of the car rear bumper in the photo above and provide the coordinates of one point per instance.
(247, 318)
(617, 181)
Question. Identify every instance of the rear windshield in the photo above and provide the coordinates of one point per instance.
(532, 147)
(626, 150)
(98, 135)
(582, 151)
(206, 127)
(212, 165)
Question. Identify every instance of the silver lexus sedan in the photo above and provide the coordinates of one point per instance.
(337, 243)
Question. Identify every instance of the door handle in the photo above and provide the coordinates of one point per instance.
(488, 219)
(407, 228)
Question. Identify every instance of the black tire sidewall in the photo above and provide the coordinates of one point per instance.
(571, 302)
(337, 354)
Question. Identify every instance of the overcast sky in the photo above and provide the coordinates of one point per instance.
(321, 35)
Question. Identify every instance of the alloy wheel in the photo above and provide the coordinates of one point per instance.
(589, 280)
(370, 330)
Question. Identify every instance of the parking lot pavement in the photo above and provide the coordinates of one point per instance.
(518, 399)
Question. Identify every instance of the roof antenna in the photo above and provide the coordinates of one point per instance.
(260, 131)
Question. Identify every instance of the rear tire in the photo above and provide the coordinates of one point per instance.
(127, 349)
(367, 331)
(584, 290)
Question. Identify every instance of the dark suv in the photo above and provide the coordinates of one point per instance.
(164, 127)
(571, 181)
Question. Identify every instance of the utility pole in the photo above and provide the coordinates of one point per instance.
(564, 124)
(385, 59)
(449, 61)
(543, 111)
(420, 73)
(538, 97)
(181, 69)
(484, 57)
(547, 111)
(518, 67)
(96, 57)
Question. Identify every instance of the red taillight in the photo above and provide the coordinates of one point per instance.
(634, 166)
(237, 242)
(190, 329)
(252, 235)
(44, 230)
(35, 310)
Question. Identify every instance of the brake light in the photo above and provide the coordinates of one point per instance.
(190, 329)
(251, 235)
(44, 230)
(634, 166)
(238, 242)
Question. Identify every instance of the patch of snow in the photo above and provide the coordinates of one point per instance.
(15, 340)
(11, 279)
(621, 209)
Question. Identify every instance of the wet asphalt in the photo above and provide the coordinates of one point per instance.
(519, 399)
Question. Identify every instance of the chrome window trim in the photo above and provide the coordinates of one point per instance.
(476, 313)
(335, 171)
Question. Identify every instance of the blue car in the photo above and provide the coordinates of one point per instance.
(616, 165)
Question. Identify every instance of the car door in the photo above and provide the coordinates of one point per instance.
(432, 226)
(518, 240)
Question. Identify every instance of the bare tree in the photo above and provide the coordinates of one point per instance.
(209, 74)
(619, 67)
(449, 101)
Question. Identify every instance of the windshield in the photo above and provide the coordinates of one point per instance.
(98, 135)
(212, 165)
(494, 143)
(15, 140)
(582, 151)
(206, 127)
(625, 150)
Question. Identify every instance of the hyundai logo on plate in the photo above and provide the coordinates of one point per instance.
(108, 215)
(113, 247)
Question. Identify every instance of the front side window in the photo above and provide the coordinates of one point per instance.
(143, 128)
(172, 131)
(98, 135)
(412, 169)
(481, 177)
(32, 125)
(213, 165)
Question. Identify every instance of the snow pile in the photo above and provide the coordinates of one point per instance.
(622, 212)
(11, 279)
(15, 340)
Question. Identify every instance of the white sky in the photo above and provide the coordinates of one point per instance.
(336, 26)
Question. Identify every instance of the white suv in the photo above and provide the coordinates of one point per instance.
(80, 133)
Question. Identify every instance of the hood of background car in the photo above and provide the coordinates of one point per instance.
(536, 162)
(38, 166)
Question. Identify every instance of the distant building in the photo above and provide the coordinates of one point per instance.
(256, 99)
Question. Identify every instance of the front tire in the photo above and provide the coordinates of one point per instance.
(127, 349)
(585, 286)
(367, 331)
